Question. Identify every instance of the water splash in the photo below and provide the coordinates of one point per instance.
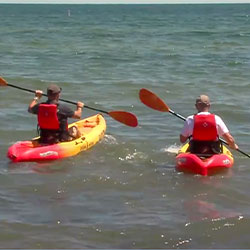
(173, 149)
(134, 156)
(109, 139)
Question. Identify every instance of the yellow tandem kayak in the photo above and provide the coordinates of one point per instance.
(92, 130)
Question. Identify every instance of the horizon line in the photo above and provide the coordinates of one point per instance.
(124, 2)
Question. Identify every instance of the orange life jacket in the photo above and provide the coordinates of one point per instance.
(205, 128)
(47, 117)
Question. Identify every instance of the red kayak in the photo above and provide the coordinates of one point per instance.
(192, 163)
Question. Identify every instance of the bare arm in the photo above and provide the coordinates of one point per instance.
(186, 130)
(183, 138)
(38, 95)
(230, 140)
(78, 112)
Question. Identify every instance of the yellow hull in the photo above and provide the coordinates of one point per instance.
(92, 130)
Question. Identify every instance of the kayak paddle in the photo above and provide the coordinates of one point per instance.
(151, 100)
(124, 117)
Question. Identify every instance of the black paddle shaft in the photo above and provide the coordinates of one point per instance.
(63, 100)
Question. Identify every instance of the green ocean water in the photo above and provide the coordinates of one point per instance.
(125, 192)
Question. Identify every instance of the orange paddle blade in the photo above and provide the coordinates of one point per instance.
(3, 82)
(127, 118)
(152, 100)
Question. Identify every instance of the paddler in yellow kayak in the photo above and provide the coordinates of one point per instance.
(204, 129)
(53, 116)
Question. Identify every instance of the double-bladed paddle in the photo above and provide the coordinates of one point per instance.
(124, 117)
(151, 100)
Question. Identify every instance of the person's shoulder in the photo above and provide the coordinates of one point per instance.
(218, 118)
(65, 110)
(63, 106)
(190, 117)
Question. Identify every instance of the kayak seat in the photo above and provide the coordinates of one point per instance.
(74, 133)
(89, 124)
(49, 136)
(205, 148)
(204, 156)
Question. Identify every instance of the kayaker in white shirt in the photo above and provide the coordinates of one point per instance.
(204, 129)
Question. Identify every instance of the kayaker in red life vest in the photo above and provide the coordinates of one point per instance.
(204, 129)
(53, 116)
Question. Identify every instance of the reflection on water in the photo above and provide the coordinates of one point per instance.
(36, 167)
(199, 210)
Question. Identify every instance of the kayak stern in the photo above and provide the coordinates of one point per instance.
(192, 163)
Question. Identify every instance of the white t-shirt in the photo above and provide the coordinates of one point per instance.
(189, 125)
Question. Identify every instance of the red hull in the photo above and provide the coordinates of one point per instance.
(26, 151)
(187, 162)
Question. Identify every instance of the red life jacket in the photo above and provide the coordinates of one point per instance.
(47, 117)
(205, 128)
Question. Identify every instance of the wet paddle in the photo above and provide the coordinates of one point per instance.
(124, 117)
(151, 100)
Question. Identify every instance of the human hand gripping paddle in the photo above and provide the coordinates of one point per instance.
(153, 101)
(124, 117)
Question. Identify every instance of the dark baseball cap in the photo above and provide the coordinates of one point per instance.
(53, 89)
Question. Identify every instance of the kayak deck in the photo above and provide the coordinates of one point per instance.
(92, 130)
(192, 163)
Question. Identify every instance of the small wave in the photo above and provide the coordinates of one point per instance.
(171, 149)
(234, 63)
(244, 34)
(109, 139)
(134, 156)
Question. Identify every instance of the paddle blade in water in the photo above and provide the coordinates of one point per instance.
(152, 100)
(124, 117)
(3, 82)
